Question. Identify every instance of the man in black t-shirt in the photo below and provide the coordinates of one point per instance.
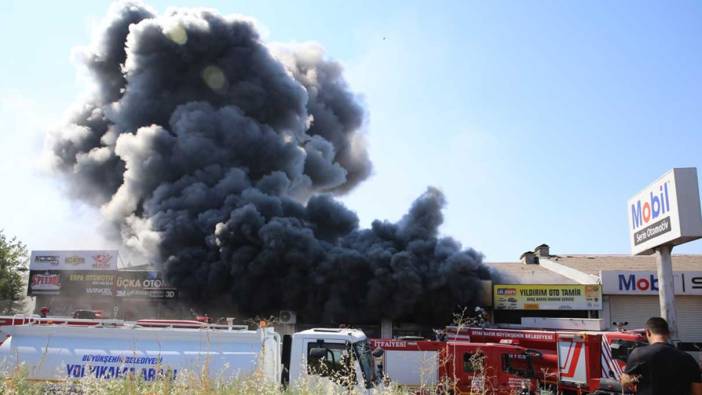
(660, 368)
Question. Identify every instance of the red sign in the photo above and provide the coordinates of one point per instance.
(45, 283)
(102, 261)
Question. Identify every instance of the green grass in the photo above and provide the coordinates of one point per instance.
(187, 384)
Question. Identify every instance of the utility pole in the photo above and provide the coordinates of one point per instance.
(666, 288)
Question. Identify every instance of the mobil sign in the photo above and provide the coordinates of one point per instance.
(665, 212)
(617, 282)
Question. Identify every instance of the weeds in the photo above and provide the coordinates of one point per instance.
(186, 383)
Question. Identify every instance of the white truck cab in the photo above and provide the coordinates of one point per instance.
(342, 355)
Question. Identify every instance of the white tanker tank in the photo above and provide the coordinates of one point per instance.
(115, 350)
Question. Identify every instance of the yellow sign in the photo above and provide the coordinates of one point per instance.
(547, 297)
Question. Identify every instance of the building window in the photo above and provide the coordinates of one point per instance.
(472, 362)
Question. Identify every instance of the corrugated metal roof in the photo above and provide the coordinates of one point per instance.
(145, 267)
(592, 264)
(519, 273)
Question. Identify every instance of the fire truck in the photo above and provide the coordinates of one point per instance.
(508, 361)
(615, 345)
(457, 366)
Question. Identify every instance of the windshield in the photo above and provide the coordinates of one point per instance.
(365, 359)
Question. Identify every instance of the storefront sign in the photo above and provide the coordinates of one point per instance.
(142, 284)
(665, 212)
(47, 282)
(70, 283)
(73, 260)
(100, 283)
(617, 282)
(84, 283)
(547, 297)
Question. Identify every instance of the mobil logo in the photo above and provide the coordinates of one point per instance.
(615, 282)
(638, 282)
(650, 206)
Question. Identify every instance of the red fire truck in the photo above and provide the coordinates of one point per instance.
(508, 361)
(615, 345)
(457, 366)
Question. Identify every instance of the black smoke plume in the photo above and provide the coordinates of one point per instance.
(218, 155)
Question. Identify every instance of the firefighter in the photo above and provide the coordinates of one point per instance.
(659, 368)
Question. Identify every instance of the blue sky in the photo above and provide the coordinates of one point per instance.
(537, 119)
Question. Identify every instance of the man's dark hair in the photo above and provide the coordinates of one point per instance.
(658, 326)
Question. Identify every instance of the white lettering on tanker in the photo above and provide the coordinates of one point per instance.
(93, 365)
(392, 343)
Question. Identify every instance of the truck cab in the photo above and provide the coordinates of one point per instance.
(338, 354)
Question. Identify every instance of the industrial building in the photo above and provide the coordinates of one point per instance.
(629, 287)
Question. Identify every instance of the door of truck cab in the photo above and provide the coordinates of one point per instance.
(333, 359)
(323, 354)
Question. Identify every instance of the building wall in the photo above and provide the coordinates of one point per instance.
(515, 316)
(127, 309)
(636, 309)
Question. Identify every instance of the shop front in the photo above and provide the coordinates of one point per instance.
(632, 297)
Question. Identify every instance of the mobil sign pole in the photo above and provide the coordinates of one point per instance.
(664, 214)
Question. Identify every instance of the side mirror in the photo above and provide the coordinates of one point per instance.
(619, 350)
(378, 352)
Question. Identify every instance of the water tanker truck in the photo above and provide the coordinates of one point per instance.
(155, 349)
